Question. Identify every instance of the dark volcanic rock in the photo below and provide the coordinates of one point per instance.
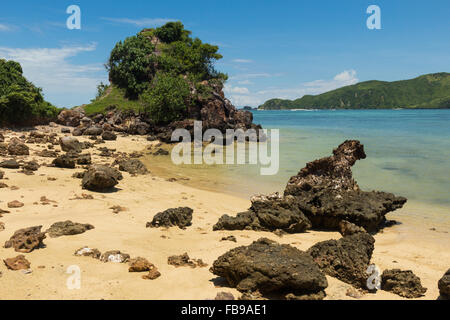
(99, 178)
(270, 268)
(403, 283)
(140, 264)
(327, 193)
(93, 131)
(31, 166)
(10, 164)
(108, 135)
(346, 259)
(67, 228)
(18, 148)
(268, 213)
(181, 217)
(64, 161)
(132, 166)
(444, 285)
(26, 240)
(347, 228)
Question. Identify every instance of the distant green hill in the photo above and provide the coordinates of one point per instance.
(427, 91)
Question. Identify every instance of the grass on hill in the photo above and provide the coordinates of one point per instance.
(113, 97)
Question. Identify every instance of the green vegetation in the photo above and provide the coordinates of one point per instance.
(427, 91)
(154, 71)
(20, 101)
(166, 99)
(113, 97)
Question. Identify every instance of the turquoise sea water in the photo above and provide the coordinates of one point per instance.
(408, 151)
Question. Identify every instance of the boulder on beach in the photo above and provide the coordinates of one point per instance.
(64, 161)
(132, 166)
(2, 174)
(346, 259)
(26, 240)
(15, 204)
(180, 217)
(71, 117)
(101, 178)
(93, 131)
(17, 263)
(70, 144)
(271, 268)
(444, 285)
(404, 283)
(268, 213)
(109, 136)
(18, 148)
(327, 193)
(10, 164)
(67, 228)
(140, 264)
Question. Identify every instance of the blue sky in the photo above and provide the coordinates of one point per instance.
(271, 48)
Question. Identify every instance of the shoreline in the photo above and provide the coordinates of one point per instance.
(411, 246)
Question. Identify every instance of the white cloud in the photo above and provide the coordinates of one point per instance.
(143, 22)
(242, 61)
(345, 78)
(231, 89)
(4, 27)
(50, 69)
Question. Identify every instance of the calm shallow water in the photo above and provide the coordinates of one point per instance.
(408, 152)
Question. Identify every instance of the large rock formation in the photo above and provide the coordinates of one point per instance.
(403, 283)
(444, 285)
(268, 213)
(327, 193)
(346, 259)
(271, 269)
(26, 240)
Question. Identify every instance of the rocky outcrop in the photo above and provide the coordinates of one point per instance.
(268, 213)
(26, 240)
(140, 264)
(100, 178)
(132, 166)
(67, 228)
(271, 269)
(347, 228)
(403, 283)
(444, 285)
(327, 193)
(18, 148)
(346, 259)
(180, 217)
(17, 263)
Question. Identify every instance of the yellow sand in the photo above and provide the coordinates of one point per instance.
(411, 245)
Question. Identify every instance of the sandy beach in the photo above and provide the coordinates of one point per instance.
(416, 244)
